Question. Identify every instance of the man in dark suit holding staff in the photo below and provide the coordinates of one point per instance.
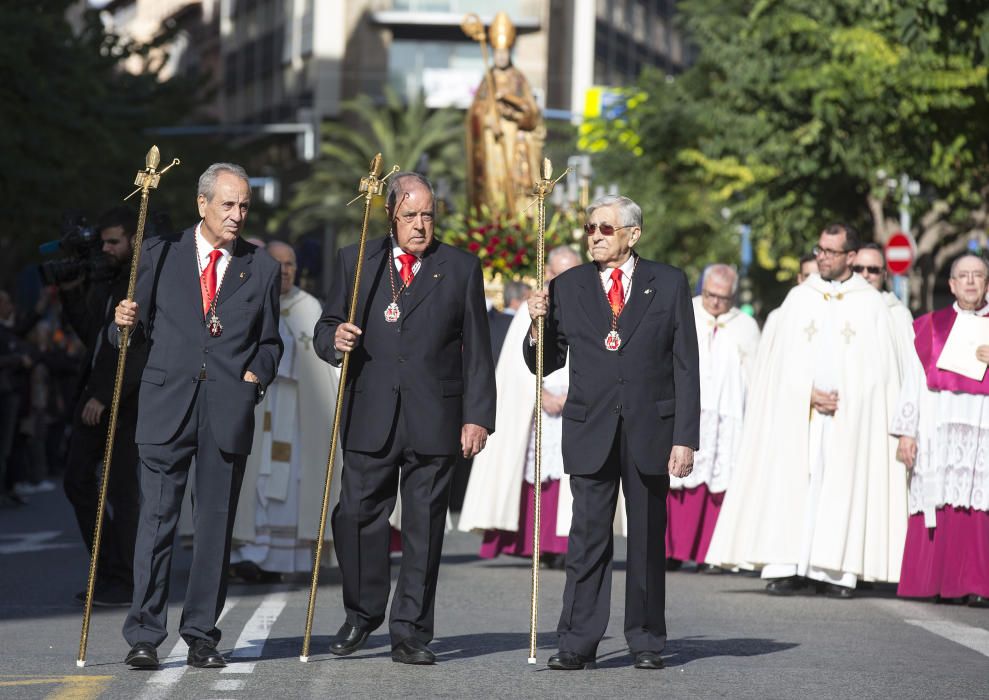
(206, 308)
(632, 417)
(420, 389)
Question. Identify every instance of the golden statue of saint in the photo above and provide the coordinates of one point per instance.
(505, 131)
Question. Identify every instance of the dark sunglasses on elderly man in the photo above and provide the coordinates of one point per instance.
(606, 229)
(872, 269)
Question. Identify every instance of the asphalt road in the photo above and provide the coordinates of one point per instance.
(727, 638)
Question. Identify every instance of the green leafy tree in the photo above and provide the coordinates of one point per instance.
(793, 110)
(72, 121)
(406, 135)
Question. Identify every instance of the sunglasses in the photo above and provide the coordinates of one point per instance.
(606, 229)
(872, 269)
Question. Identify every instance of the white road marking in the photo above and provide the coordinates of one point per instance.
(250, 644)
(926, 616)
(21, 543)
(975, 638)
(239, 667)
(173, 666)
(228, 685)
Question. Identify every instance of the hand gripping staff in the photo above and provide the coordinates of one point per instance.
(542, 189)
(146, 181)
(370, 187)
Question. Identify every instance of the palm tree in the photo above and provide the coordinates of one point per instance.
(409, 136)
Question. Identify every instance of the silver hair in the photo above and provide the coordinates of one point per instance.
(207, 181)
(629, 212)
(395, 186)
(515, 291)
(724, 272)
(954, 265)
(561, 251)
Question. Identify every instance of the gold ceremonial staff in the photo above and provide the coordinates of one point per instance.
(370, 187)
(542, 189)
(473, 27)
(146, 181)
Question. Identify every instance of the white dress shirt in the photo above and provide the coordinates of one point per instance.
(396, 250)
(203, 249)
(627, 267)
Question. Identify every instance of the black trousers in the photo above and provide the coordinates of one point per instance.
(587, 594)
(361, 534)
(164, 472)
(83, 471)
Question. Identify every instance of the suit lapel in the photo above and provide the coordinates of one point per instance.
(426, 280)
(370, 273)
(639, 299)
(183, 274)
(593, 301)
(237, 273)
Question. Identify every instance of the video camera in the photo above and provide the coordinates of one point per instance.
(84, 254)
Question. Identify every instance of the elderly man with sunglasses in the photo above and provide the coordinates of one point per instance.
(813, 501)
(631, 420)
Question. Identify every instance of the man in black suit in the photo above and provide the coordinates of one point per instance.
(632, 416)
(206, 307)
(514, 295)
(420, 389)
(89, 307)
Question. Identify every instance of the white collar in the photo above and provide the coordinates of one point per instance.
(984, 311)
(397, 250)
(626, 267)
(203, 246)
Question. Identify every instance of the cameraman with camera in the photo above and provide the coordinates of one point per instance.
(98, 283)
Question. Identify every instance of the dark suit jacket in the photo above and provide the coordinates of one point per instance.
(171, 323)
(437, 356)
(498, 322)
(652, 381)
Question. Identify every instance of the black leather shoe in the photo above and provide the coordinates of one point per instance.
(203, 654)
(349, 639)
(709, 569)
(833, 591)
(142, 655)
(787, 586)
(412, 651)
(978, 601)
(649, 659)
(570, 661)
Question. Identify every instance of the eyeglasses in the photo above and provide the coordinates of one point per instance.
(715, 297)
(970, 276)
(410, 217)
(818, 252)
(606, 229)
(871, 269)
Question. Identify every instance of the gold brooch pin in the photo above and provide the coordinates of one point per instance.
(242, 275)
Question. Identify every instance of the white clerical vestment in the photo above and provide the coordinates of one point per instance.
(726, 346)
(282, 495)
(952, 433)
(815, 495)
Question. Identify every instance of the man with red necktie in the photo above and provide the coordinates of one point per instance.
(206, 309)
(420, 389)
(631, 418)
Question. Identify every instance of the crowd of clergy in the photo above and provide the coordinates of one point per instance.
(836, 449)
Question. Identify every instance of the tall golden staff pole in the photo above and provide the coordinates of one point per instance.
(473, 27)
(543, 188)
(146, 181)
(370, 187)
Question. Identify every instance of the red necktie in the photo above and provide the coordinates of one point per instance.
(616, 295)
(208, 280)
(407, 260)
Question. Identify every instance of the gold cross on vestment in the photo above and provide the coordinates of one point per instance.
(848, 333)
(305, 339)
(810, 331)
